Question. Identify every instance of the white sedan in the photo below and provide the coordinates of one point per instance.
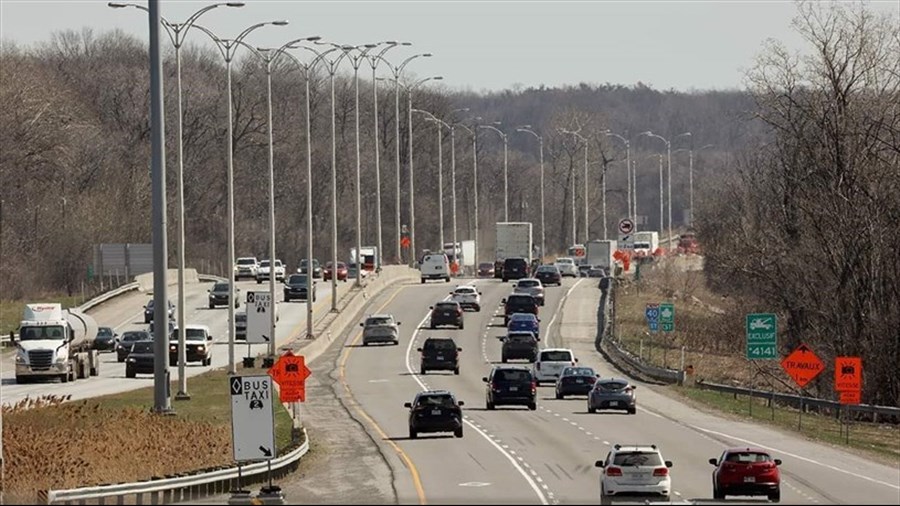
(567, 267)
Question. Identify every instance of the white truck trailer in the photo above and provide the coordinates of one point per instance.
(600, 253)
(645, 243)
(55, 343)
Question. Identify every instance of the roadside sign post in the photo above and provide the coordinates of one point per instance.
(802, 365)
(259, 304)
(667, 322)
(626, 234)
(762, 342)
(848, 384)
(252, 420)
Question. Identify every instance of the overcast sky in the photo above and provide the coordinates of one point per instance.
(483, 45)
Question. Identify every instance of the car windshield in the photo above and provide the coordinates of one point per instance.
(465, 291)
(568, 261)
(521, 338)
(578, 371)
(748, 457)
(556, 356)
(523, 317)
(192, 334)
(55, 332)
(637, 458)
(642, 245)
(142, 347)
(485, 266)
(512, 375)
(439, 344)
(297, 279)
(136, 336)
(105, 332)
(446, 306)
(611, 386)
(220, 287)
(443, 401)
(547, 268)
(379, 320)
(246, 261)
(528, 283)
(264, 263)
(520, 300)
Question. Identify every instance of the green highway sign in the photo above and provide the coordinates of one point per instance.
(762, 336)
(667, 316)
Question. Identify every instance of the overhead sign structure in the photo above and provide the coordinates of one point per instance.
(667, 316)
(652, 314)
(802, 365)
(626, 226)
(762, 336)
(847, 374)
(851, 397)
(290, 372)
(252, 418)
(259, 323)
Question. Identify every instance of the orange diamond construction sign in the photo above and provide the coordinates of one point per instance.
(290, 372)
(802, 365)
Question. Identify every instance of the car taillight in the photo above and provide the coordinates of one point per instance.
(613, 471)
(495, 387)
(592, 379)
(534, 386)
(459, 312)
(173, 348)
(661, 471)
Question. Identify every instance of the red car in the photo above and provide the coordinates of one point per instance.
(746, 471)
(485, 270)
(341, 271)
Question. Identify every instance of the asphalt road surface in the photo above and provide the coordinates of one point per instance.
(125, 312)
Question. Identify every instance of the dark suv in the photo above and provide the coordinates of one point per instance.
(513, 385)
(297, 287)
(514, 268)
(439, 354)
(518, 303)
(435, 411)
(548, 275)
(519, 345)
(447, 313)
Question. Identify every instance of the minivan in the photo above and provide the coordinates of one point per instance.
(435, 266)
(551, 362)
(510, 385)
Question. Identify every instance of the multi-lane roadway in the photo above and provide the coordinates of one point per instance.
(126, 312)
(513, 455)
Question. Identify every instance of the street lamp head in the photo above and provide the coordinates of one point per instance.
(406, 43)
(234, 4)
(280, 22)
(427, 55)
(313, 38)
(116, 5)
(348, 47)
(519, 128)
(648, 132)
(370, 46)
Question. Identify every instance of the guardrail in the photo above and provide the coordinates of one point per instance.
(180, 488)
(803, 402)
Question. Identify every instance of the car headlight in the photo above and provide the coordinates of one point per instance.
(201, 348)
(60, 360)
(130, 359)
(20, 358)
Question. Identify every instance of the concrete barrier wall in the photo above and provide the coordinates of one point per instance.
(145, 281)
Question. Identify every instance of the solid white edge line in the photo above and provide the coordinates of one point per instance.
(531, 482)
(559, 308)
(805, 459)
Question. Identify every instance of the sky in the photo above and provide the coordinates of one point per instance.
(482, 45)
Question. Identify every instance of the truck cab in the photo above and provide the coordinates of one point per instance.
(54, 343)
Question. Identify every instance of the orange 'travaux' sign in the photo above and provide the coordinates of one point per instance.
(802, 365)
(847, 374)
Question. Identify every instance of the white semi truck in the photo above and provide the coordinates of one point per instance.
(55, 343)
(646, 243)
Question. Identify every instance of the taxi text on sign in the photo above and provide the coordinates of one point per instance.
(802, 365)
(290, 372)
(252, 418)
(847, 373)
(851, 397)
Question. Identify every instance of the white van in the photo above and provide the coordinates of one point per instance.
(435, 266)
(551, 362)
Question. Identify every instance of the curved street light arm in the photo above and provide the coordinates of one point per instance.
(320, 56)
(500, 132)
(399, 68)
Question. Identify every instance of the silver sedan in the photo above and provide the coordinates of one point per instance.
(612, 393)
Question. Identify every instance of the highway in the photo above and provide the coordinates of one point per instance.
(126, 312)
(547, 456)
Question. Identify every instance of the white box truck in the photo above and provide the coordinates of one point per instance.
(514, 241)
(645, 243)
(600, 253)
(369, 256)
(55, 343)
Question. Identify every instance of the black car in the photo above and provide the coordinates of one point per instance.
(106, 339)
(518, 303)
(548, 275)
(123, 348)
(149, 310)
(510, 385)
(140, 359)
(514, 268)
(297, 286)
(519, 345)
(575, 381)
(435, 411)
(218, 295)
(447, 313)
(316, 268)
(439, 354)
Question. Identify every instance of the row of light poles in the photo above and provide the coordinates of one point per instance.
(227, 47)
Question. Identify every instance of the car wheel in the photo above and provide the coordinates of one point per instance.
(532, 406)
(461, 326)
(212, 306)
(447, 279)
(458, 432)
(604, 499)
(422, 370)
(120, 359)
(412, 433)
(775, 496)
(592, 409)
(505, 280)
(490, 406)
(423, 281)
(130, 373)
(503, 359)
(632, 411)
(433, 326)
(559, 395)
(456, 371)
(717, 494)
(365, 343)
(395, 342)
(237, 304)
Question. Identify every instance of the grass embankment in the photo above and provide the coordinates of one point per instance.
(711, 330)
(115, 438)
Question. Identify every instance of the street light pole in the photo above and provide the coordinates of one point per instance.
(176, 33)
(527, 128)
(439, 124)
(474, 132)
(587, 235)
(505, 167)
(628, 169)
(669, 157)
(227, 48)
